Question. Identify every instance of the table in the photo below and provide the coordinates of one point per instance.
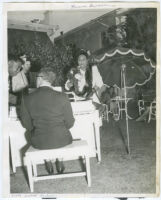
(86, 127)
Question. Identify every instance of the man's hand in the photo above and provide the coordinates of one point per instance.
(69, 85)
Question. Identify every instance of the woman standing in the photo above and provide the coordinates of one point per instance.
(85, 80)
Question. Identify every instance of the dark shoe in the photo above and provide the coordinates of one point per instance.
(59, 166)
(49, 167)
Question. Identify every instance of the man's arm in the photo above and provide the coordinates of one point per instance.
(25, 116)
(68, 113)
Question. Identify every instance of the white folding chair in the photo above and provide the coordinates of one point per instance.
(141, 106)
(152, 111)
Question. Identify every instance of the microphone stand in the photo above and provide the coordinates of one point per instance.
(125, 101)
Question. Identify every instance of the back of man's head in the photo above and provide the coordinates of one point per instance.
(47, 75)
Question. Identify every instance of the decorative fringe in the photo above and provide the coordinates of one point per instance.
(125, 53)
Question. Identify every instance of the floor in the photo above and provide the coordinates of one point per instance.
(118, 172)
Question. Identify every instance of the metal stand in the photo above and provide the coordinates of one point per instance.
(123, 85)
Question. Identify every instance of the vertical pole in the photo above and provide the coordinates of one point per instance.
(97, 135)
(127, 123)
(13, 156)
(88, 172)
(29, 172)
(121, 95)
(34, 166)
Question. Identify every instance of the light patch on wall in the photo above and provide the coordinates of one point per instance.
(26, 16)
(68, 20)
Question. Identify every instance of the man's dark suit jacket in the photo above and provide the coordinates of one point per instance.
(48, 115)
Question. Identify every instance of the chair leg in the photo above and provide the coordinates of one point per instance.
(150, 112)
(83, 159)
(12, 156)
(88, 172)
(29, 172)
(98, 143)
(107, 113)
(34, 169)
(14, 169)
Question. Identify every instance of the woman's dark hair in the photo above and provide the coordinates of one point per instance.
(88, 74)
(83, 52)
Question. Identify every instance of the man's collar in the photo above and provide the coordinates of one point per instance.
(46, 85)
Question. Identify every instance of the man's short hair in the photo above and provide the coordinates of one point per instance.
(12, 58)
(47, 74)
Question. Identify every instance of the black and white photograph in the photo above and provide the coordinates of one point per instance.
(82, 97)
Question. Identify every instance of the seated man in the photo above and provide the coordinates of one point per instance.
(48, 115)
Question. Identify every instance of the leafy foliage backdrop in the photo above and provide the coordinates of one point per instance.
(42, 53)
(141, 29)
